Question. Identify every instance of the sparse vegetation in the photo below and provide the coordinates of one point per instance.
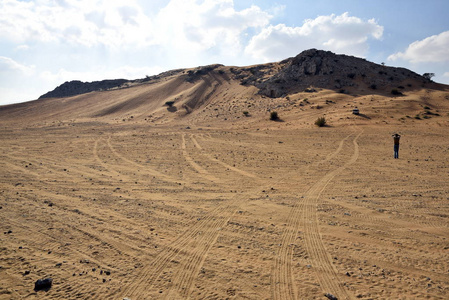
(274, 116)
(396, 92)
(428, 76)
(169, 103)
(320, 122)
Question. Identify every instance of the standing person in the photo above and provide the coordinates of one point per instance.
(396, 138)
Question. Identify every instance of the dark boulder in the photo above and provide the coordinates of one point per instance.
(43, 284)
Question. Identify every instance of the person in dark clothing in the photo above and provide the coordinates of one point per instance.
(396, 138)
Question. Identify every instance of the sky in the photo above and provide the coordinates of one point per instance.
(44, 43)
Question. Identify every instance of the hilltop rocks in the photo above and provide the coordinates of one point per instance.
(76, 87)
(324, 69)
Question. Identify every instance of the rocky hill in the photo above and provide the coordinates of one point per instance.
(324, 69)
(76, 87)
(310, 69)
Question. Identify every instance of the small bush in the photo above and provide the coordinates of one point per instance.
(274, 116)
(396, 92)
(169, 103)
(320, 122)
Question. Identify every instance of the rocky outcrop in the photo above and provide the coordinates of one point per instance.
(76, 87)
(324, 69)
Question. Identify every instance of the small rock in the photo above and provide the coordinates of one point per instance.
(9, 231)
(330, 296)
(104, 280)
(58, 264)
(43, 284)
(107, 273)
(27, 272)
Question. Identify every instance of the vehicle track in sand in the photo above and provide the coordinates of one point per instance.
(282, 279)
(144, 168)
(192, 246)
(193, 243)
(182, 282)
(189, 268)
(320, 260)
(227, 166)
(203, 173)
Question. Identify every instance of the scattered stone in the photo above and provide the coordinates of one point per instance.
(43, 284)
(9, 231)
(330, 296)
(104, 280)
(107, 273)
(27, 272)
(58, 264)
(347, 274)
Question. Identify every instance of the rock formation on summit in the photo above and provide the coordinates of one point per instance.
(325, 69)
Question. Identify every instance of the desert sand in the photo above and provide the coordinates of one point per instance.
(114, 195)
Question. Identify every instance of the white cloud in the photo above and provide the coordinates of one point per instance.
(211, 25)
(85, 22)
(432, 49)
(341, 34)
(8, 65)
(184, 24)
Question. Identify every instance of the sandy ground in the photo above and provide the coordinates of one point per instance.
(216, 205)
(154, 213)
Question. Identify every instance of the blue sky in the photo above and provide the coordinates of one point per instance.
(44, 43)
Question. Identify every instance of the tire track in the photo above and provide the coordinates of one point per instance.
(199, 237)
(200, 170)
(146, 169)
(191, 249)
(232, 168)
(282, 279)
(319, 257)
